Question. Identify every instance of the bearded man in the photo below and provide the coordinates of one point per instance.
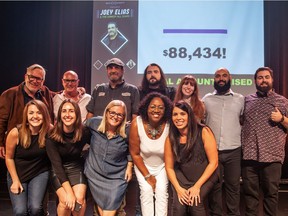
(264, 134)
(224, 109)
(154, 81)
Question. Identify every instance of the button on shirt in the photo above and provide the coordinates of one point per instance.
(223, 114)
(263, 140)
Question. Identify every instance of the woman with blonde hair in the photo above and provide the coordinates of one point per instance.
(108, 166)
(26, 160)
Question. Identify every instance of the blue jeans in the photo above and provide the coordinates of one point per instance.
(29, 202)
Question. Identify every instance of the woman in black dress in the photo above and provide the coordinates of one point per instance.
(64, 148)
(191, 161)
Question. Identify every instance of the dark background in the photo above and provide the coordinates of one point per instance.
(58, 36)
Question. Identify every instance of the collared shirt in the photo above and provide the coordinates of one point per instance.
(83, 101)
(262, 139)
(223, 114)
(103, 94)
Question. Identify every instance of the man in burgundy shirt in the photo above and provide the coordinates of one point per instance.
(264, 133)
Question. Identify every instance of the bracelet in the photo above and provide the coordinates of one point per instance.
(147, 176)
(282, 119)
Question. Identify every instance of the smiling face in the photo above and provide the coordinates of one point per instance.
(68, 117)
(34, 79)
(156, 110)
(114, 117)
(264, 81)
(188, 89)
(222, 80)
(180, 119)
(34, 117)
(153, 75)
(70, 82)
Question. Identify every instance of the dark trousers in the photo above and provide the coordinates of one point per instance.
(266, 176)
(230, 172)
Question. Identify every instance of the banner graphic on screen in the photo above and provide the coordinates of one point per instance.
(183, 37)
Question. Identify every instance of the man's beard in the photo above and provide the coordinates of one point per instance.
(264, 88)
(155, 83)
(224, 88)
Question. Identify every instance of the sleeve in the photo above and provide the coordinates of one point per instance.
(5, 107)
(56, 160)
(91, 104)
(135, 100)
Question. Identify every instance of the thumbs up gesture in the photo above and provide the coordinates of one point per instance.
(276, 115)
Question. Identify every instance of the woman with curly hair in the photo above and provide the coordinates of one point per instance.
(147, 137)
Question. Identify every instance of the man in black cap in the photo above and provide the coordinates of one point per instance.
(116, 89)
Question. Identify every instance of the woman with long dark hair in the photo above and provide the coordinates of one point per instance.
(64, 148)
(191, 161)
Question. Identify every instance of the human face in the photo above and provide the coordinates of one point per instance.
(187, 89)
(70, 82)
(115, 116)
(68, 116)
(264, 81)
(112, 30)
(156, 110)
(34, 117)
(34, 80)
(153, 75)
(180, 118)
(115, 73)
(222, 81)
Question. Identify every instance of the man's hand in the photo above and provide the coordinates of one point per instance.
(276, 115)
(2, 152)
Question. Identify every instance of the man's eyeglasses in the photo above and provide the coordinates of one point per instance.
(114, 114)
(70, 80)
(32, 78)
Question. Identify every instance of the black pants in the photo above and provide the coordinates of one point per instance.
(265, 176)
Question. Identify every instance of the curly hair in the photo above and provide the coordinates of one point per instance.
(144, 104)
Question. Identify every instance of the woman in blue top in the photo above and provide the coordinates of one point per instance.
(27, 162)
(109, 165)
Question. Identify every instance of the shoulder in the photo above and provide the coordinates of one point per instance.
(129, 85)
(12, 90)
(93, 122)
(14, 133)
(207, 96)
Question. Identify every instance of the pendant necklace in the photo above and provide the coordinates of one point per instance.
(110, 135)
(153, 132)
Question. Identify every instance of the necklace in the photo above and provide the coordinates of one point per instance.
(153, 132)
(110, 135)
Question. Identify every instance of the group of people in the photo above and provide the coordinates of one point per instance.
(201, 146)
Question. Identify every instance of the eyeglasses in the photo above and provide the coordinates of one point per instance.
(32, 78)
(70, 80)
(114, 114)
(154, 107)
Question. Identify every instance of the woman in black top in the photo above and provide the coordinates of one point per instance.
(64, 148)
(26, 160)
(191, 161)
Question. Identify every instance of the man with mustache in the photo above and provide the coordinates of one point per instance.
(224, 109)
(114, 39)
(13, 100)
(154, 81)
(264, 134)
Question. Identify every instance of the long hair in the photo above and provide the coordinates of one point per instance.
(144, 104)
(145, 83)
(25, 132)
(192, 135)
(196, 104)
(57, 132)
(121, 128)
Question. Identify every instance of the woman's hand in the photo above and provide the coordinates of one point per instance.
(128, 173)
(70, 201)
(152, 181)
(16, 187)
(183, 196)
(194, 195)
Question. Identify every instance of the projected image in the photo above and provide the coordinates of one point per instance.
(114, 39)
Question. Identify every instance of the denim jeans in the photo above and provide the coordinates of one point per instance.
(29, 202)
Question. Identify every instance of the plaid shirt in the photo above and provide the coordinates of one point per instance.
(262, 139)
